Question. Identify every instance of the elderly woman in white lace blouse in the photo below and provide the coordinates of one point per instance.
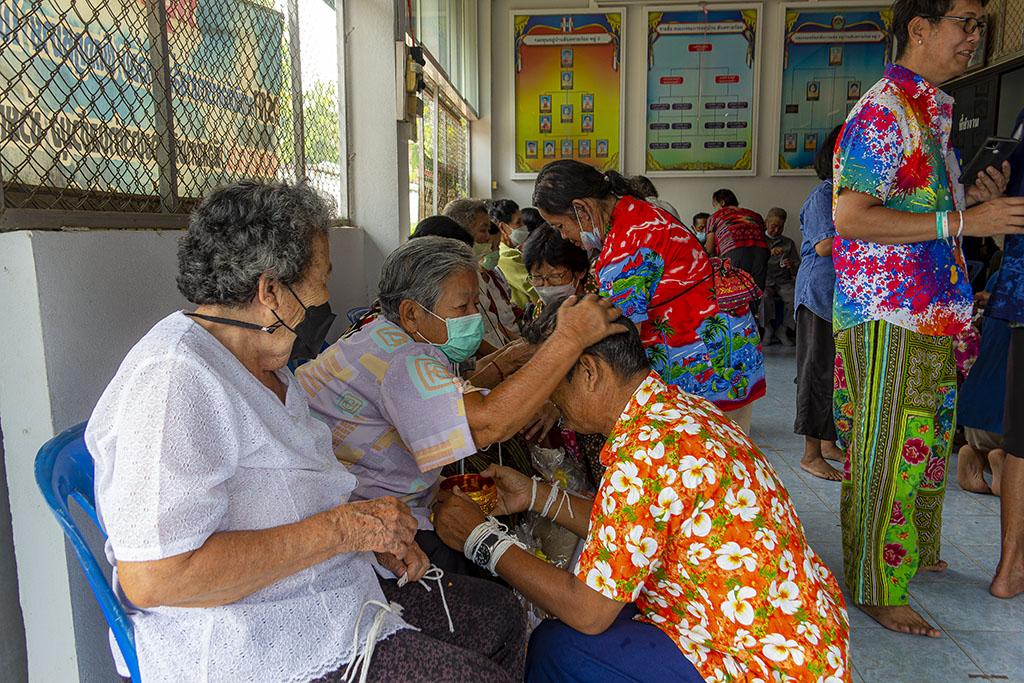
(236, 552)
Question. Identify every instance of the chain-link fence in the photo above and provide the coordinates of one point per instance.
(144, 105)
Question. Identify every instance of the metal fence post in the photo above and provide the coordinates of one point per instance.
(163, 106)
(298, 114)
(342, 23)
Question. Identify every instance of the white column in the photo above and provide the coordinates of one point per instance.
(43, 581)
(378, 144)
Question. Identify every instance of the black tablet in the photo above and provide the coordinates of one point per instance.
(993, 153)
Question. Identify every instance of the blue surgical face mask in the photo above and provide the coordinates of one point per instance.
(590, 239)
(701, 236)
(464, 335)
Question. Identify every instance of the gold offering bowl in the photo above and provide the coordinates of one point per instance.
(481, 490)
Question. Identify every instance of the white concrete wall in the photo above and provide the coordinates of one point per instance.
(75, 303)
(689, 195)
(378, 145)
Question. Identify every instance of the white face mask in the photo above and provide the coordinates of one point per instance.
(552, 294)
(519, 235)
(590, 239)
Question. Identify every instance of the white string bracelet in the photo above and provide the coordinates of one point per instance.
(499, 550)
(533, 493)
(494, 532)
(564, 499)
(360, 663)
(550, 501)
(960, 230)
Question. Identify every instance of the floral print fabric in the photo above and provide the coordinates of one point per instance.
(659, 275)
(895, 476)
(692, 524)
(895, 147)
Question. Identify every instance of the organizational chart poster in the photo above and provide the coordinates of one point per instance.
(702, 85)
(831, 57)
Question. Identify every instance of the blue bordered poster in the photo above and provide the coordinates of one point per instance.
(702, 85)
(830, 58)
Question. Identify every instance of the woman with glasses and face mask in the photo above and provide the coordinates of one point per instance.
(901, 296)
(557, 267)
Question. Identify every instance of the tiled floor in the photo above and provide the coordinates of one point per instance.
(983, 637)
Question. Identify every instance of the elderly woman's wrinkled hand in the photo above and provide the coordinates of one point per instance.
(587, 320)
(514, 489)
(383, 525)
(413, 566)
(455, 516)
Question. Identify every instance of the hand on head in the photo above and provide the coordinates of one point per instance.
(588, 320)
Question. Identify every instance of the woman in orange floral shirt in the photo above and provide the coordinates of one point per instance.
(691, 531)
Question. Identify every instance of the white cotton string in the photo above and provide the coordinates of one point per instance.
(499, 550)
(435, 573)
(361, 662)
(484, 529)
(561, 501)
(550, 501)
(500, 461)
(477, 534)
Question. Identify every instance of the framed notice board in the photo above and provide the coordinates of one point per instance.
(702, 89)
(567, 88)
(831, 56)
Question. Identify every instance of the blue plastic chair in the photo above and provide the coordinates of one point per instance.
(64, 469)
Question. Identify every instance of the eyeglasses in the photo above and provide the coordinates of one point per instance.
(552, 280)
(970, 24)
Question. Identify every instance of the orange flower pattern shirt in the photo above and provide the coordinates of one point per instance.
(692, 524)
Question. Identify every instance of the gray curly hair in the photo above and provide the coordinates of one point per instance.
(464, 211)
(416, 270)
(243, 230)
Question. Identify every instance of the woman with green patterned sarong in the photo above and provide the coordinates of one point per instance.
(901, 295)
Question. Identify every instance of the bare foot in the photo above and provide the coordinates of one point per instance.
(970, 471)
(830, 451)
(817, 466)
(1008, 582)
(937, 567)
(900, 618)
(996, 458)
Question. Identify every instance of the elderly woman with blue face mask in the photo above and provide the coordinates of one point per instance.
(398, 412)
(500, 315)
